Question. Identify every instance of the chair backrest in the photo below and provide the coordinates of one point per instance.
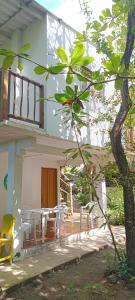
(7, 228)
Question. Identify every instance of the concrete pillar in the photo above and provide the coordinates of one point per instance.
(14, 191)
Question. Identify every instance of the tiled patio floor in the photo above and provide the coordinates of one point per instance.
(70, 226)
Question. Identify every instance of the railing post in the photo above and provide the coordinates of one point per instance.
(41, 113)
(4, 95)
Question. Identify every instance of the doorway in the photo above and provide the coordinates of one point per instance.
(48, 187)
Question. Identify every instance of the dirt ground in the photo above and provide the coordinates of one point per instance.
(80, 280)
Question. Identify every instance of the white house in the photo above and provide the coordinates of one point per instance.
(32, 138)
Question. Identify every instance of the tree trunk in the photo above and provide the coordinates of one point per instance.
(118, 150)
(129, 207)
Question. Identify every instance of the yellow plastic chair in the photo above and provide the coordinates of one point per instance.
(6, 236)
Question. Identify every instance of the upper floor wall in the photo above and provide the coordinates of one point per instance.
(45, 35)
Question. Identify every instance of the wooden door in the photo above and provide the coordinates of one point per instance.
(48, 187)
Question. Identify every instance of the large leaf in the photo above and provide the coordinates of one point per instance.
(77, 53)
(26, 47)
(76, 107)
(96, 25)
(7, 62)
(85, 61)
(87, 156)
(82, 78)
(20, 64)
(69, 90)
(61, 98)
(40, 70)
(115, 60)
(62, 54)
(69, 78)
(98, 87)
(106, 12)
(84, 95)
(6, 52)
(56, 69)
(109, 66)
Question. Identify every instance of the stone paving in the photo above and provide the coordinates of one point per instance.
(55, 255)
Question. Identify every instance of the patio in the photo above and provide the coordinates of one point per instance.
(70, 226)
(55, 255)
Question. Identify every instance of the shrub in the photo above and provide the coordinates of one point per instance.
(115, 205)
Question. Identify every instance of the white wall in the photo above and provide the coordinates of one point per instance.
(45, 36)
(31, 184)
(3, 172)
(57, 35)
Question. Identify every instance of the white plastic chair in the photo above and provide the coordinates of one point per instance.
(89, 212)
(58, 219)
(29, 222)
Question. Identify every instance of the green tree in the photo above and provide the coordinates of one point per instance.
(113, 36)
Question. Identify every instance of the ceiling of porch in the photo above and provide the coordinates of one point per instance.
(17, 14)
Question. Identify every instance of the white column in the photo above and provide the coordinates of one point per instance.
(14, 191)
(101, 192)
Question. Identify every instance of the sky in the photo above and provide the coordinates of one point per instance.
(69, 10)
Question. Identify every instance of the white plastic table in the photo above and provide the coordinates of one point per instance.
(44, 215)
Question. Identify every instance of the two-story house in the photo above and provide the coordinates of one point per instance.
(32, 137)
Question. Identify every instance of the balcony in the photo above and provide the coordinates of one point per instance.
(20, 99)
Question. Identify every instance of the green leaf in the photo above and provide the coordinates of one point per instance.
(118, 84)
(86, 155)
(7, 62)
(77, 53)
(69, 150)
(40, 70)
(61, 98)
(108, 65)
(85, 61)
(106, 12)
(56, 69)
(75, 155)
(26, 47)
(76, 107)
(84, 95)
(116, 60)
(47, 77)
(62, 54)
(132, 110)
(82, 78)
(69, 90)
(20, 64)
(98, 87)
(6, 52)
(96, 25)
(76, 89)
(69, 78)
(79, 121)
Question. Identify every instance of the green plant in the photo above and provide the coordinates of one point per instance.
(124, 271)
(70, 288)
(82, 182)
(109, 258)
(115, 206)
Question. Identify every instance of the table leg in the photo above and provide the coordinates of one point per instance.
(43, 228)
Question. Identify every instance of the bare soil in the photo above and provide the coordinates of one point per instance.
(80, 280)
